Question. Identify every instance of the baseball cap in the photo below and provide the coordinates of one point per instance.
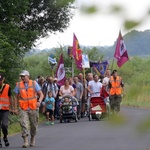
(1, 76)
(24, 73)
(114, 71)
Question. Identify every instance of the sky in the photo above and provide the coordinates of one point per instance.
(101, 28)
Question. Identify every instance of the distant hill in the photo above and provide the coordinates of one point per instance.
(137, 44)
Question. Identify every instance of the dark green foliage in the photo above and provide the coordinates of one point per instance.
(22, 23)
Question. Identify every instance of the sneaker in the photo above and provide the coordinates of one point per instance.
(47, 123)
(85, 114)
(6, 142)
(0, 144)
(52, 123)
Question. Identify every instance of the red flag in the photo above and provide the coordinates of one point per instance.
(60, 71)
(77, 52)
(121, 52)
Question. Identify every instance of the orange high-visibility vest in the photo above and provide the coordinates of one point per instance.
(115, 85)
(28, 97)
(4, 98)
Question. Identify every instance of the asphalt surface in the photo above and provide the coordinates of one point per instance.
(117, 133)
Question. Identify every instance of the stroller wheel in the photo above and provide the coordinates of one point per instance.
(76, 118)
(60, 120)
(79, 117)
(90, 117)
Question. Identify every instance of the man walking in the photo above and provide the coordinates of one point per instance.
(26, 92)
(115, 89)
(79, 94)
(5, 106)
(94, 86)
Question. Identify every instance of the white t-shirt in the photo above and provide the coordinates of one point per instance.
(105, 83)
(66, 91)
(95, 87)
(105, 80)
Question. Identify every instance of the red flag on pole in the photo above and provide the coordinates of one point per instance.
(121, 52)
(60, 71)
(77, 52)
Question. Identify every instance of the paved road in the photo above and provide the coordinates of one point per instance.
(92, 135)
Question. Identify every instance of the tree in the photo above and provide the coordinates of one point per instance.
(26, 21)
(23, 22)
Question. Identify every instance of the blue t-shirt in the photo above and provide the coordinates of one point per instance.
(49, 102)
(37, 88)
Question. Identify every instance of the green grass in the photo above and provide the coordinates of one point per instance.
(137, 96)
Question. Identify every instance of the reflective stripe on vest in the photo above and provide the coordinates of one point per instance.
(115, 86)
(28, 97)
(4, 98)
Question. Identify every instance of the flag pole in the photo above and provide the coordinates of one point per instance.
(84, 73)
(112, 65)
(72, 68)
(84, 80)
(84, 91)
(52, 72)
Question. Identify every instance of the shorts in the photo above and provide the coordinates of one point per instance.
(51, 112)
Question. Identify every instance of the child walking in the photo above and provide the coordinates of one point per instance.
(50, 106)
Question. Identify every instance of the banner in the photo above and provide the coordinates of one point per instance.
(121, 52)
(99, 67)
(60, 71)
(77, 52)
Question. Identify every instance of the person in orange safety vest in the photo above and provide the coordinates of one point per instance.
(5, 107)
(115, 89)
(26, 93)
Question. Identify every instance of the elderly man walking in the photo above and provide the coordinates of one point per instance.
(26, 92)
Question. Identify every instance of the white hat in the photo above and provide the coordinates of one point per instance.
(24, 73)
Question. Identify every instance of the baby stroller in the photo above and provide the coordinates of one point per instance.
(68, 108)
(98, 108)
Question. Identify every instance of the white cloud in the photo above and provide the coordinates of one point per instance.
(99, 29)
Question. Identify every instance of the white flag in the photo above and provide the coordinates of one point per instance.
(85, 61)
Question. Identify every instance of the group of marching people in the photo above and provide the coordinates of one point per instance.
(44, 95)
(82, 88)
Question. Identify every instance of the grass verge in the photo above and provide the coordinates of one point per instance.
(14, 125)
